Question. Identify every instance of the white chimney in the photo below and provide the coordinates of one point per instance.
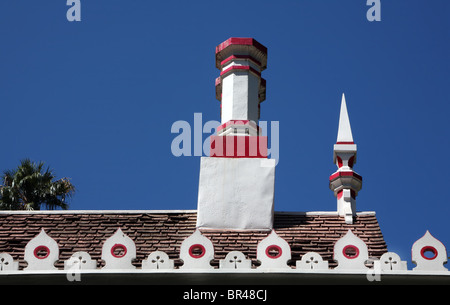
(236, 187)
(240, 87)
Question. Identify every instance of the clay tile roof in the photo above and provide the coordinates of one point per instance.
(165, 231)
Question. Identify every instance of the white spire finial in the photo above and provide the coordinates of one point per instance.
(345, 131)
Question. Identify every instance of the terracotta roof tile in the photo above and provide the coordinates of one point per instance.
(165, 232)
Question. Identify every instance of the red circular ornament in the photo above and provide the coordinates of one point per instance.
(350, 251)
(122, 250)
(41, 249)
(273, 248)
(197, 251)
(428, 249)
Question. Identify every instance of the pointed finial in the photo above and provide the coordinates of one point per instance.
(345, 131)
(344, 156)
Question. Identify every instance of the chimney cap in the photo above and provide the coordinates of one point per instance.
(241, 46)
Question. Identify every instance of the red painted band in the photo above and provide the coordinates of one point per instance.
(345, 174)
(238, 146)
(345, 143)
(241, 41)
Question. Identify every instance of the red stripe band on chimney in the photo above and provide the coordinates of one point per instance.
(241, 41)
(238, 122)
(238, 147)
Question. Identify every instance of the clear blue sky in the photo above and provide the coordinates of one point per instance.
(96, 100)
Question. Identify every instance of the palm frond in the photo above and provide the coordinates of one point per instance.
(29, 186)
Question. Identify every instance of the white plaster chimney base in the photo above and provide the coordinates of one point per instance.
(236, 193)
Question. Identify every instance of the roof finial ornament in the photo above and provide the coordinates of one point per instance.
(345, 131)
(345, 183)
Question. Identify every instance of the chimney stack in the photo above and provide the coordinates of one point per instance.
(240, 90)
(236, 187)
(240, 87)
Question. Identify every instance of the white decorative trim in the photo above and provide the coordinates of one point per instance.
(196, 251)
(235, 260)
(7, 263)
(276, 244)
(390, 261)
(80, 260)
(350, 252)
(438, 254)
(158, 260)
(45, 244)
(312, 261)
(119, 241)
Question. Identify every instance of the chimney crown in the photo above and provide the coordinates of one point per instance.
(241, 46)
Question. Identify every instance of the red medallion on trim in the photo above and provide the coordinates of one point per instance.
(350, 251)
(197, 251)
(429, 249)
(41, 252)
(273, 251)
(118, 250)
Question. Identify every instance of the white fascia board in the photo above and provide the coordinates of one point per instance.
(330, 272)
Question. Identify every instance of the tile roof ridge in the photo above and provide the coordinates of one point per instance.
(324, 213)
(98, 212)
(308, 213)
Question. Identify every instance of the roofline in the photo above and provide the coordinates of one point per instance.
(100, 212)
(232, 271)
(324, 213)
(218, 276)
(312, 213)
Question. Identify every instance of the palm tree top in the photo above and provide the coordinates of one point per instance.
(30, 186)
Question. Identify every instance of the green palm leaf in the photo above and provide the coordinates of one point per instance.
(29, 187)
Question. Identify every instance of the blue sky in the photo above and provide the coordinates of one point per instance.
(96, 100)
